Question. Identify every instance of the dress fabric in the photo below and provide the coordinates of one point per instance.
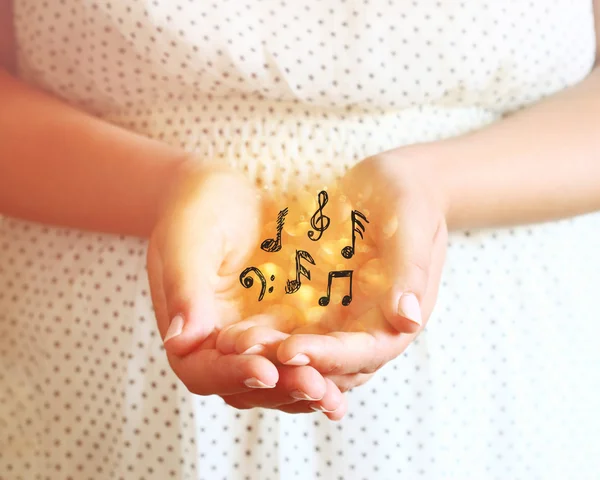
(505, 381)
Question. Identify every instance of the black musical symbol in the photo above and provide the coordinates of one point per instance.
(292, 286)
(348, 251)
(271, 287)
(247, 282)
(324, 301)
(319, 222)
(274, 244)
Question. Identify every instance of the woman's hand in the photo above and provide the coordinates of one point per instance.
(408, 230)
(407, 227)
(208, 228)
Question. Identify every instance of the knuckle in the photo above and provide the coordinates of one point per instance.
(345, 387)
(333, 366)
(371, 369)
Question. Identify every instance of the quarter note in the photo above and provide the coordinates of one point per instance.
(324, 301)
(292, 286)
(274, 244)
(247, 281)
(319, 222)
(357, 227)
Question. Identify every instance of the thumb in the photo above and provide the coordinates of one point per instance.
(407, 255)
(211, 211)
(189, 278)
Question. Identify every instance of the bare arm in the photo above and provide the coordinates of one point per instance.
(539, 164)
(61, 166)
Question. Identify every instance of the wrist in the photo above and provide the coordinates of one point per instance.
(180, 174)
(423, 166)
(188, 177)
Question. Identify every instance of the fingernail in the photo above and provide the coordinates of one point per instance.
(299, 359)
(299, 395)
(254, 350)
(408, 307)
(175, 328)
(320, 408)
(256, 383)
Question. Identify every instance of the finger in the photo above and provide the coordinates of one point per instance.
(339, 412)
(260, 341)
(333, 353)
(295, 384)
(332, 403)
(407, 255)
(303, 407)
(228, 336)
(207, 372)
(347, 382)
(274, 319)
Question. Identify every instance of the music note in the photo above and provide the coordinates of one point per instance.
(293, 286)
(324, 301)
(274, 244)
(247, 282)
(348, 251)
(319, 222)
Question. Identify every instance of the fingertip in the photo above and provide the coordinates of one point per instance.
(339, 413)
(289, 351)
(403, 312)
(305, 380)
(226, 339)
(175, 328)
(183, 336)
(332, 400)
(255, 340)
(262, 369)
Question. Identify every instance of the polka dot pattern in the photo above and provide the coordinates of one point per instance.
(274, 87)
(503, 383)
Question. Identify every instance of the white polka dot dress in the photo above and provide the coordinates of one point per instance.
(505, 381)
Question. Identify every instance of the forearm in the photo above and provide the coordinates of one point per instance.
(61, 166)
(540, 164)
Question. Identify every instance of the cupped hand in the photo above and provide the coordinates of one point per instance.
(407, 230)
(208, 226)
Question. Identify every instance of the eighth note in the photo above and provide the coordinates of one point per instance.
(293, 286)
(348, 251)
(319, 222)
(324, 301)
(274, 244)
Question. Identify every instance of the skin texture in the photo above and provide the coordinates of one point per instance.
(448, 180)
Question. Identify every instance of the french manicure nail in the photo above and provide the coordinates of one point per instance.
(299, 395)
(254, 350)
(256, 383)
(298, 360)
(320, 408)
(175, 328)
(408, 307)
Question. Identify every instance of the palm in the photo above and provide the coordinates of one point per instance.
(317, 286)
(395, 219)
(206, 234)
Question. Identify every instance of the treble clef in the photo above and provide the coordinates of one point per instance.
(319, 222)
